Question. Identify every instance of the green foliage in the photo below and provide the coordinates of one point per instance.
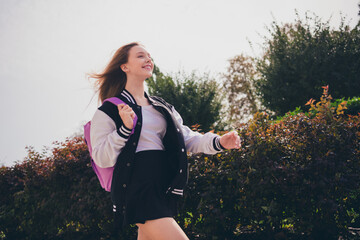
(301, 57)
(196, 97)
(56, 197)
(351, 106)
(296, 178)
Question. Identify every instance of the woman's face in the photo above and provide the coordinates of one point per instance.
(139, 63)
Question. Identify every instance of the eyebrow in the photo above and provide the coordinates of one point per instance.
(142, 53)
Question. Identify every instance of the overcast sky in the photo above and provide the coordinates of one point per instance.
(48, 46)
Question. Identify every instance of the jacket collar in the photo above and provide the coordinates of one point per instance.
(126, 95)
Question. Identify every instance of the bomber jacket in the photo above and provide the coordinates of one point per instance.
(174, 143)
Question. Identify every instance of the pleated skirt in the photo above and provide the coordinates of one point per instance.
(146, 197)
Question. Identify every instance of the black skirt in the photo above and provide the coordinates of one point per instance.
(146, 197)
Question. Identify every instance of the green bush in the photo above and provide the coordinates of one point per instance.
(56, 197)
(303, 55)
(197, 97)
(296, 178)
(352, 107)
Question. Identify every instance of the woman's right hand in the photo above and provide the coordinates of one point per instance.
(127, 115)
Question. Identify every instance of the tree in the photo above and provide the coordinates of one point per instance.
(301, 57)
(240, 91)
(196, 97)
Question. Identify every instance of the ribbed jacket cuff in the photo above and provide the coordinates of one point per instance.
(124, 132)
(216, 144)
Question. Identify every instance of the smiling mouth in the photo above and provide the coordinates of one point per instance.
(148, 67)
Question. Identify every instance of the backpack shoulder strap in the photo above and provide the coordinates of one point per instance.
(114, 100)
(112, 111)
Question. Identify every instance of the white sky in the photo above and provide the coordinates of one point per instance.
(47, 47)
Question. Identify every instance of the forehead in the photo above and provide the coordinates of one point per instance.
(138, 49)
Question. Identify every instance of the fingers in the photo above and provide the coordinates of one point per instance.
(132, 115)
(125, 109)
(236, 139)
(237, 142)
(233, 135)
(233, 139)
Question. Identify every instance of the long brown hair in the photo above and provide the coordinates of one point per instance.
(111, 82)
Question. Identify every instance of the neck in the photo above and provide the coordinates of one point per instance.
(136, 88)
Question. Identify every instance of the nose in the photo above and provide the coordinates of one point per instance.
(148, 59)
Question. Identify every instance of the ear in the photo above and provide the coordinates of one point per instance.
(124, 68)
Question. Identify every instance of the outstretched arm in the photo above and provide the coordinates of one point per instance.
(207, 143)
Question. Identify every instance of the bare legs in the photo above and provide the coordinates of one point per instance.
(161, 229)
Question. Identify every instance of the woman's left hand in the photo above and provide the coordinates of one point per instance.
(230, 140)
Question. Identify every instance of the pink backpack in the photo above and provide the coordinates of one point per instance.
(104, 174)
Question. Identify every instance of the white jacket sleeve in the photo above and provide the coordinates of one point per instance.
(106, 141)
(196, 142)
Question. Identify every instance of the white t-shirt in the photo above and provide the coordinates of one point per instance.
(152, 131)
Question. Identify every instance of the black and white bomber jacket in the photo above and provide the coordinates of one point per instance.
(113, 145)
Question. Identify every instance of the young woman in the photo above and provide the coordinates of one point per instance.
(149, 155)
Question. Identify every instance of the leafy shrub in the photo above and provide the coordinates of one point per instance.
(296, 178)
(301, 56)
(56, 197)
(351, 106)
(197, 97)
